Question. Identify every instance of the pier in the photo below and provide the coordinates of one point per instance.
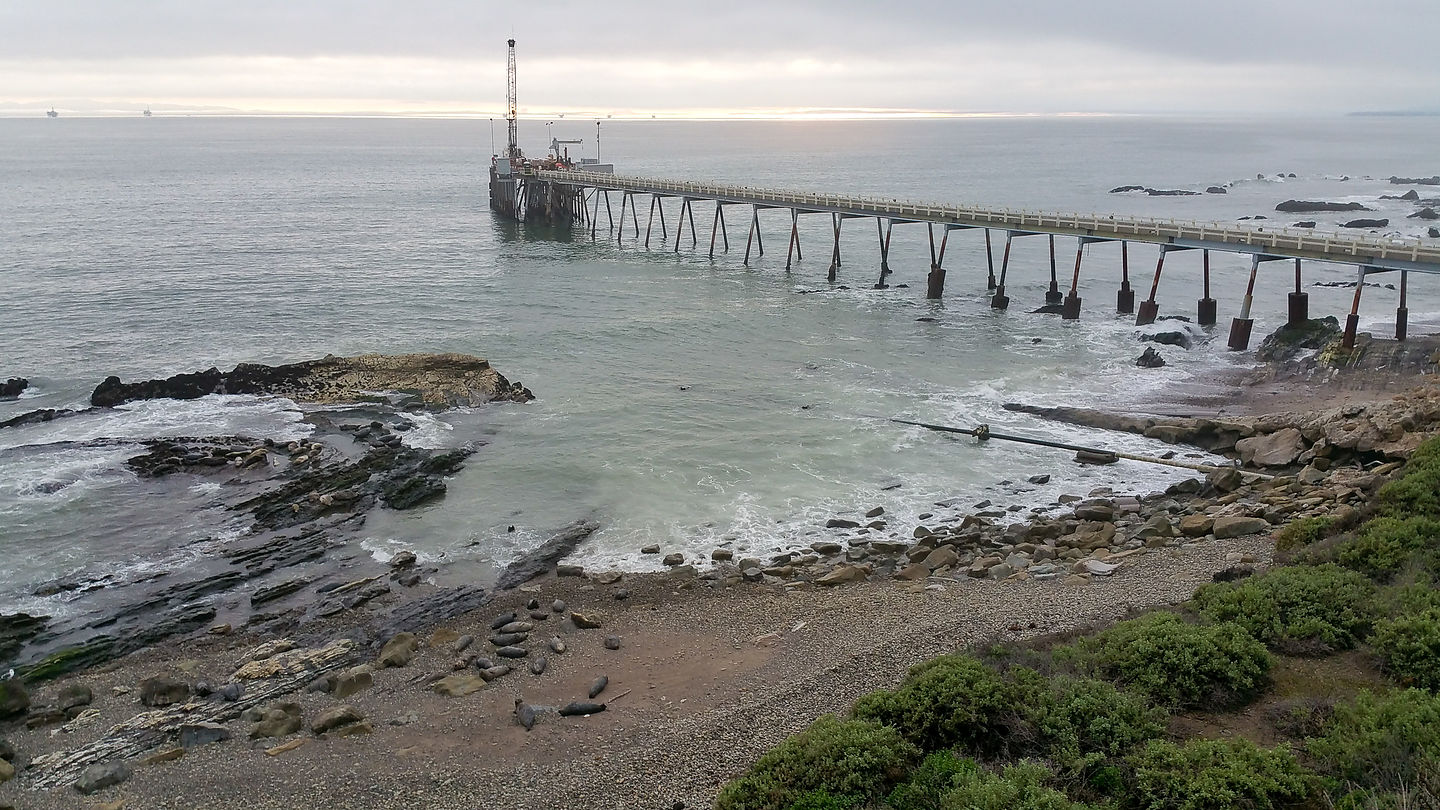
(565, 198)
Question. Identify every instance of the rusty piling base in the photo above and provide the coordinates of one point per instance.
(1000, 299)
(1402, 318)
(1240, 334)
(935, 287)
(1053, 296)
(1148, 311)
(1206, 312)
(1352, 324)
(1125, 299)
(1072, 308)
(1299, 308)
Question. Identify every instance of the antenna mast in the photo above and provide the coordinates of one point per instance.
(513, 149)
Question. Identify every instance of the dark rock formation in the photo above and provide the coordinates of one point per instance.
(1424, 213)
(16, 629)
(1150, 359)
(1410, 196)
(1217, 190)
(1181, 339)
(33, 417)
(1170, 192)
(1312, 206)
(1126, 189)
(1289, 341)
(1365, 223)
(542, 559)
(434, 380)
(1415, 181)
(12, 387)
(1308, 223)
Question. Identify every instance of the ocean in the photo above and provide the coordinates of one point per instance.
(682, 401)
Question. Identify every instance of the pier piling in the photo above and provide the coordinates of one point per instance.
(1402, 315)
(835, 220)
(1000, 300)
(935, 286)
(1053, 296)
(1072, 300)
(651, 221)
(883, 232)
(794, 237)
(1150, 308)
(1206, 308)
(1299, 301)
(1240, 327)
(1352, 321)
(989, 260)
(1125, 298)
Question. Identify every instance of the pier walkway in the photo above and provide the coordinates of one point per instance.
(1263, 243)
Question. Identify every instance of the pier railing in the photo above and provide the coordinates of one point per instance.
(1377, 252)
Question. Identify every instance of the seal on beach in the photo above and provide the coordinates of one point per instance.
(599, 685)
(581, 707)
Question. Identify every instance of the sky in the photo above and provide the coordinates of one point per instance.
(722, 58)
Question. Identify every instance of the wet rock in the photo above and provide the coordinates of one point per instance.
(12, 387)
(841, 523)
(1291, 340)
(876, 512)
(1227, 527)
(653, 548)
(403, 560)
(1425, 213)
(1314, 206)
(102, 775)
(722, 555)
(1043, 478)
(1216, 190)
(674, 559)
(542, 559)
(1126, 189)
(399, 650)
(335, 717)
(1366, 223)
(1174, 338)
(1149, 358)
(194, 735)
(161, 691)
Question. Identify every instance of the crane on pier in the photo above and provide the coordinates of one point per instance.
(512, 149)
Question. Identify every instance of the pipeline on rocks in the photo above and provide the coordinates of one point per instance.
(1085, 455)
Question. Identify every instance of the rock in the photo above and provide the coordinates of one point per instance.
(598, 685)
(557, 646)
(399, 650)
(942, 557)
(1278, 449)
(1434, 233)
(1425, 213)
(279, 721)
(559, 606)
(612, 642)
(193, 735)
(460, 685)
(1126, 189)
(722, 555)
(405, 559)
(512, 652)
(1304, 223)
(542, 559)
(1366, 223)
(284, 748)
(158, 758)
(1173, 338)
(102, 775)
(1216, 190)
(622, 594)
(841, 523)
(1196, 525)
(1227, 527)
(161, 691)
(564, 570)
(673, 559)
(1095, 511)
(7, 771)
(608, 577)
(580, 708)
(1226, 480)
(913, 572)
(12, 387)
(1312, 206)
(1150, 358)
(844, 573)
(539, 664)
(653, 548)
(14, 700)
(585, 621)
(7, 751)
(1043, 478)
(826, 547)
(1099, 568)
(353, 680)
(335, 717)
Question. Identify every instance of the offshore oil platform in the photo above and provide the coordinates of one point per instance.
(516, 193)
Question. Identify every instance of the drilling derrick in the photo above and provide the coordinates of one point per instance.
(512, 149)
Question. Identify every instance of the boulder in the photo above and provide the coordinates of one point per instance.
(1312, 206)
(399, 650)
(1278, 449)
(355, 679)
(844, 573)
(1196, 525)
(12, 387)
(841, 523)
(193, 735)
(1172, 338)
(1365, 223)
(1150, 358)
(73, 696)
(1216, 190)
(1425, 213)
(913, 572)
(279, 721)
(1226, 480)
(102, 775)
(1227, 527)
(586, 621)
(7, 771)
(162, 691)
(14, 700)
(942, 557)
(543, 559)
(334, 718)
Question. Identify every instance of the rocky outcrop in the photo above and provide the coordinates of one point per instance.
(34, 417)
(1415, 181)
(12, 387)
(1315, 206)
(544, 558)
(1425, 213)
(431, 380)
(1365, 223)
(1289, 341)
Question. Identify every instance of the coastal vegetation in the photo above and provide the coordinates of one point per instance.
(1211, 704)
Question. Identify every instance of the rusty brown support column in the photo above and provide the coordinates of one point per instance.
(1240, 327)
(1299, 301)
(1402, 314)
(835, 220)
(1206, 309)
(620, 233)
(661, 206)
(1053, 295)
(690, 206)
(1000, 300)
(883, 232)
(651, 221)
(1149, 308)
(680, 223)
(634, 217)
(989, 261)
(1072, 300)
(715, 227)
(1125, 299)
(724, 232)
(754, 226)
(1352, 321)
(794, 236)
(609, 217)
(935, 286)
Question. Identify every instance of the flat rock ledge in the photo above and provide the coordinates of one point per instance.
(427, 380)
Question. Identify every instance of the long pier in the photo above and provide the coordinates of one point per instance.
(565, 197)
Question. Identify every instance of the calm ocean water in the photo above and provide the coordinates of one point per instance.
(683, 400)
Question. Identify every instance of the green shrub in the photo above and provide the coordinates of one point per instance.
(1416, 491)
(1296, 608)
(1081, 722)
(929, 783)
(1176, 664)
(1409, 645)
(1376, 746)
(1018, 787)
(842, 758)
(1216, 775)
(1302, 532)
(1385, 546)
(821, 800)
(953, 701)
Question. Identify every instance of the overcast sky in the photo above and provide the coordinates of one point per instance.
(722, 57)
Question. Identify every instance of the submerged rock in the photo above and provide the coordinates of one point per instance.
(1315, 206)
(12, 387)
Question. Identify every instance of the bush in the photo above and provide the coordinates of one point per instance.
(842, 758)
(1081, 722)
(1018, 787)
(1377, 746)
(1302, 532)
(953, 701)
(927, 786)
(1385, 546)
(1176, 664)
(1296, 608)
(820, 800)
(1409, 645)
(1417, 489)
(1216, 775)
